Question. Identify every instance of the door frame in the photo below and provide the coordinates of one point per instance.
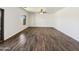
(2, 24)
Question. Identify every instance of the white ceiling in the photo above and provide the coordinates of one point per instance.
(37, 9)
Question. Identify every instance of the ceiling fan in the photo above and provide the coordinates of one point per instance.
(42, 11)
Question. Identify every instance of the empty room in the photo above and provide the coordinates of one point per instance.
(39, 28)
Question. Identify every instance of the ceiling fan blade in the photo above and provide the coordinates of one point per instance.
(41, 10)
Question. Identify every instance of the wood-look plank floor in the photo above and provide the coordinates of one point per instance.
(40, 39)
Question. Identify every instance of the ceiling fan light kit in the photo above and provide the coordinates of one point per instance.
(41, 13)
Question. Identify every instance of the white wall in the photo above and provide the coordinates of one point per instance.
(67, 21)
(42, 20)
(13, 21)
